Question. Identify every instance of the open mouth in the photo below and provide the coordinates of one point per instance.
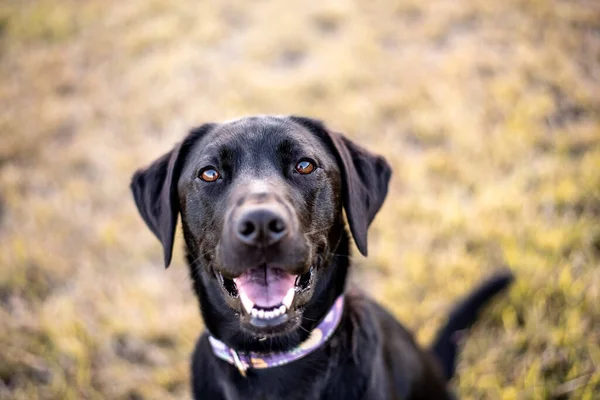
(266, 294)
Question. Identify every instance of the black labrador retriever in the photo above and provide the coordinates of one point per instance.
(261, 202)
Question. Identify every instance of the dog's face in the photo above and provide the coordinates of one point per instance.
(259, 198)
(261, 203)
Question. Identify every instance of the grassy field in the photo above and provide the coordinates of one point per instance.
(488, 111)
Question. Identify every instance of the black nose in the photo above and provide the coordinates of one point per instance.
(261, 226)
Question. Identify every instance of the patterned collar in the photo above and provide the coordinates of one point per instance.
(317, 337)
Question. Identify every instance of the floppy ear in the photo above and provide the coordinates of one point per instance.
(155, 192)
(365, 178)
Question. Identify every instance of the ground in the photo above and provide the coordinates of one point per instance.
(489, 113)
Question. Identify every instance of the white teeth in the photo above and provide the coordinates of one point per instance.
(289, 297)
(261, 313)
(246, 302)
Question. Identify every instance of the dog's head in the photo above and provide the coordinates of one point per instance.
(261, 202)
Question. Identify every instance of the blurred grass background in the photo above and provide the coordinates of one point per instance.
(488, 111)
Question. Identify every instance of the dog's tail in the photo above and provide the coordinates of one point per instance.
(462, 317)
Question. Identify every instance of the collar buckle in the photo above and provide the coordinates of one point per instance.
(238, 363)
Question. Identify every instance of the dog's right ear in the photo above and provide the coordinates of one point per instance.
(155, 191)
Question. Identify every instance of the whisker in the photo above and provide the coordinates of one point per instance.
(300, 326)
(318, 230)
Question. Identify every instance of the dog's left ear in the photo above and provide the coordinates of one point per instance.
(365, 178)
(155, 194)
(155, 191)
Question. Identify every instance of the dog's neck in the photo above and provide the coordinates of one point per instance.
(223, 324)
(243, 360)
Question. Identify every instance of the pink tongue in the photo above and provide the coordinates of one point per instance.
(266, 287)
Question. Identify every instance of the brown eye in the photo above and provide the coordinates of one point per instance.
(305, 167)
(209, 175)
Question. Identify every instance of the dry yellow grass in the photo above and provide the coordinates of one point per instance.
(488, 111)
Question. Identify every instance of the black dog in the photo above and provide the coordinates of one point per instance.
(261, 204)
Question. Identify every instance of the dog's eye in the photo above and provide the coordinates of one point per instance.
(305, 167)
(209, 174)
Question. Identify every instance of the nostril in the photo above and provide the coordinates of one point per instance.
(247, 228)
(276, 225)
(260, 226)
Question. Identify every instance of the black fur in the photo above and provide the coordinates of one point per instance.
(370, 356)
